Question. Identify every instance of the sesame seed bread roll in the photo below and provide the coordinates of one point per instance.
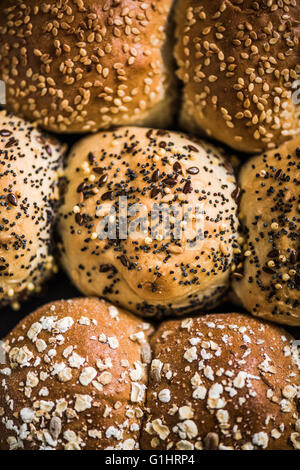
(74, 378)
(30, 162)
(149, 270)
(267, 280)
(222, 382)
(238, 60)
(84, 65)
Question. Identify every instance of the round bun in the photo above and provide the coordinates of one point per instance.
(267, 280)
(74, 379)
(238, 61)
(151, 271)
(222, 382)
(29, 166)
(78, 66)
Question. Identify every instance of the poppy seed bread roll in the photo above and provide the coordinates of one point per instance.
(74, 379)
(155, 269)
(222, 382)
(79, 66)
(238, 61)
(30, 163)
(268, 279)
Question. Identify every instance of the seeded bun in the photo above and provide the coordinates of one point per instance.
(238, 61)
(80, 66)
(222, 382)
(29, 165)
(149, 273)
(267, 281)
(74, 378)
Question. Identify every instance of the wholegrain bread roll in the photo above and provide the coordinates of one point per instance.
(152, 269)
(30, 163)
(222, 382)
(84, 65)
(74, 379)
(238, 61)
(267, 279)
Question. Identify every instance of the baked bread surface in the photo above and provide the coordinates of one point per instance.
(74, 378)
(147, 268)
(80, 66)
(267, 281)
(30, 166)
(238, 61)
(222, 381)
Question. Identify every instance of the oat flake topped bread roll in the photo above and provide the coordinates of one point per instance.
(267, 281)
(238, 61)
(74, 379)
(222, 382)
(82, 65)
(150, 272)
(29, 166)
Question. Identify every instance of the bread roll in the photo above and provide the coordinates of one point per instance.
(238, 61)
(74, 379)
(222, 382)
(84, 65)
(29, 166)
(150, 270)
(267, 281)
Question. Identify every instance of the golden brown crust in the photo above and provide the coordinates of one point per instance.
(29, 165)
(78, 66)
(147, 274)
(222, 382)
(75, 378)
(268, 283)
(238, 60)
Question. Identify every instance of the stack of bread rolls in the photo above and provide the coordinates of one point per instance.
(157, 229)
